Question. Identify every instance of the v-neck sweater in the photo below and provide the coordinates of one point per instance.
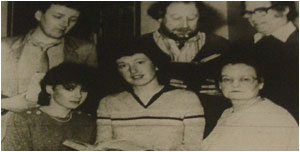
(174, 121)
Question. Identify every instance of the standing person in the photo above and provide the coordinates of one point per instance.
(183, 35)
(42, 48)
(64, 88)
(26, 58)
(184, 40)
(148, 115)
(253, 122)
(276, 46)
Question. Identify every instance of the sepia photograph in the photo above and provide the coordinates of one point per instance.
(149, 75)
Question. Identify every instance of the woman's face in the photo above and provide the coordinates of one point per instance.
(69, 96)
(239, 82)
(137, 70)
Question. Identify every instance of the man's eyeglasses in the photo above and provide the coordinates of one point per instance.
(261, 11)
(242, 81)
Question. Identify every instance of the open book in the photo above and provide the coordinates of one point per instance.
(116, 145)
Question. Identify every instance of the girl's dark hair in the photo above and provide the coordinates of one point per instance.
(65, 74)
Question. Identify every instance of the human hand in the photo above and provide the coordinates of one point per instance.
(178, 83)
(17, 103)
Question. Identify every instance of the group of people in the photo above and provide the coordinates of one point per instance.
(184, 88)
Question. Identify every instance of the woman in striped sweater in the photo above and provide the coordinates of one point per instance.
(148, 115)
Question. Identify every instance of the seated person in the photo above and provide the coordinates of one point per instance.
(148, 115)
(253, 122)
(64, 89)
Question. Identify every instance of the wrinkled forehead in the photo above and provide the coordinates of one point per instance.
(252, 5)
(182, 8)
(131, 58)
(239, 69)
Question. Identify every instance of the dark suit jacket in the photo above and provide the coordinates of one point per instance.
(279, 64)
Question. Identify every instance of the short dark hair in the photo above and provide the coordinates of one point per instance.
(209, 19)
(239, 58)
(134, 46)
(65, 74)
(239, 55)
(247, 62)
(280, 6)
(43, 6)
(131, 47)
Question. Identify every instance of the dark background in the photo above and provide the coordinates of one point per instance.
(106, 20)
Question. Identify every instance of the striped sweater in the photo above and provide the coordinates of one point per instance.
(172, 120)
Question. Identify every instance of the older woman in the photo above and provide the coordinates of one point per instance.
(253, 122)
(64, 88)
(148, 115)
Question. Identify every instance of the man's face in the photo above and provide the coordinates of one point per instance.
(181, 19)
(137, 70)
(265, 22)
(57, 21)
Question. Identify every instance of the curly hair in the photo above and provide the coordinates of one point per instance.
(280, 6)
(209, 18)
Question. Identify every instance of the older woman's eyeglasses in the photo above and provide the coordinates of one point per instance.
(261, 11)
(243, 80)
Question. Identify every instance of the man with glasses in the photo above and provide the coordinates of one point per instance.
(276, 47)
(271, 18)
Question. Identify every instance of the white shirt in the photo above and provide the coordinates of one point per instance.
(262, 126)
(281, 34)
(187, 53)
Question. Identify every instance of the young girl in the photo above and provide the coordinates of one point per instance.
(64, 88)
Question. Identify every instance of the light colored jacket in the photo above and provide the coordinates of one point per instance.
(75, 50)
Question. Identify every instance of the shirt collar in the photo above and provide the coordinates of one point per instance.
(281, 34)
(34, 41)
(192, 39)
